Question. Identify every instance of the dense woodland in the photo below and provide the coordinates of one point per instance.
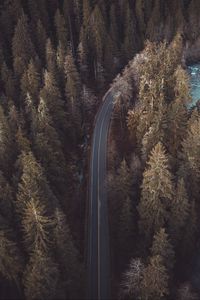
(57, 58)
(154, 178)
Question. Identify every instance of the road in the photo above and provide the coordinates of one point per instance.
(99, 250)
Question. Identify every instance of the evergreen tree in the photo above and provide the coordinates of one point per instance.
(41, 277)
(155, 280)
(51, 60)
(180, 211)
(36, 225)
(132, 279)
(49, 150)
(9, 81)
(86, 12)
(6, 144)
(162, 247)
(140, 13)
(157, 192)
(41, 38)
(11, 264)
(83, 54)
(6, 199)
(126, 227)
(22, 47)
(123, 181)
(31, 82)
(61, 29)
(130, 41)
(89, 102)
(194, 22)
(98, 39)
(155, 133)
(182, 87)
(177, 126)
(191, 156)
(73, 89)
(67, 255)
(33, 184)
(52, 97)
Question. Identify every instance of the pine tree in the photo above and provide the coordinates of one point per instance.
(155, 280)
(140, 13)
(33, 184)
(176, 51)
(155, 133)
(191, 156)
(23, 145)
(123, 180)
(157, 192)
(11, 263)
(194, 23)
(9, 81)
(52, 97)
(61, 29)
(6, 144)
(31, 82)
(98, 28)
(86, 12)
(41, 277)
(182, 86)
(68, 12)
(41, 38)
(162, 247)
(15, 8)
(177, 126)
(126, 227)
(48, 150)
(67, 255)
(6, 199)
(132, 279)
(13, 119)
(132, 124)
(89, 102)
(83, 54)
(60, 59)
(22, 47)
(180, 211)
(73, 89)
(36, 225)
(155, 25)
(130, 41)
(51, 59)
(114, 30)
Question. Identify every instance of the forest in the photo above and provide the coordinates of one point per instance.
(57, 60)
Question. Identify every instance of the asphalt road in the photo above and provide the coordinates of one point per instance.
(99, 252)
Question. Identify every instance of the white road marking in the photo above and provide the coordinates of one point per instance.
(99, 203)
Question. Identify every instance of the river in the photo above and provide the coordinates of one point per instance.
(194, 72)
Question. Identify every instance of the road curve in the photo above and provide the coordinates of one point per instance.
(98, 241)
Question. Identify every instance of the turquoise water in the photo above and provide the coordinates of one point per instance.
(194, 72)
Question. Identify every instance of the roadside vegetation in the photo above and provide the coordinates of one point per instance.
(154, 177)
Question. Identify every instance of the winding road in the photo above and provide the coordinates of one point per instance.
(98, 247)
